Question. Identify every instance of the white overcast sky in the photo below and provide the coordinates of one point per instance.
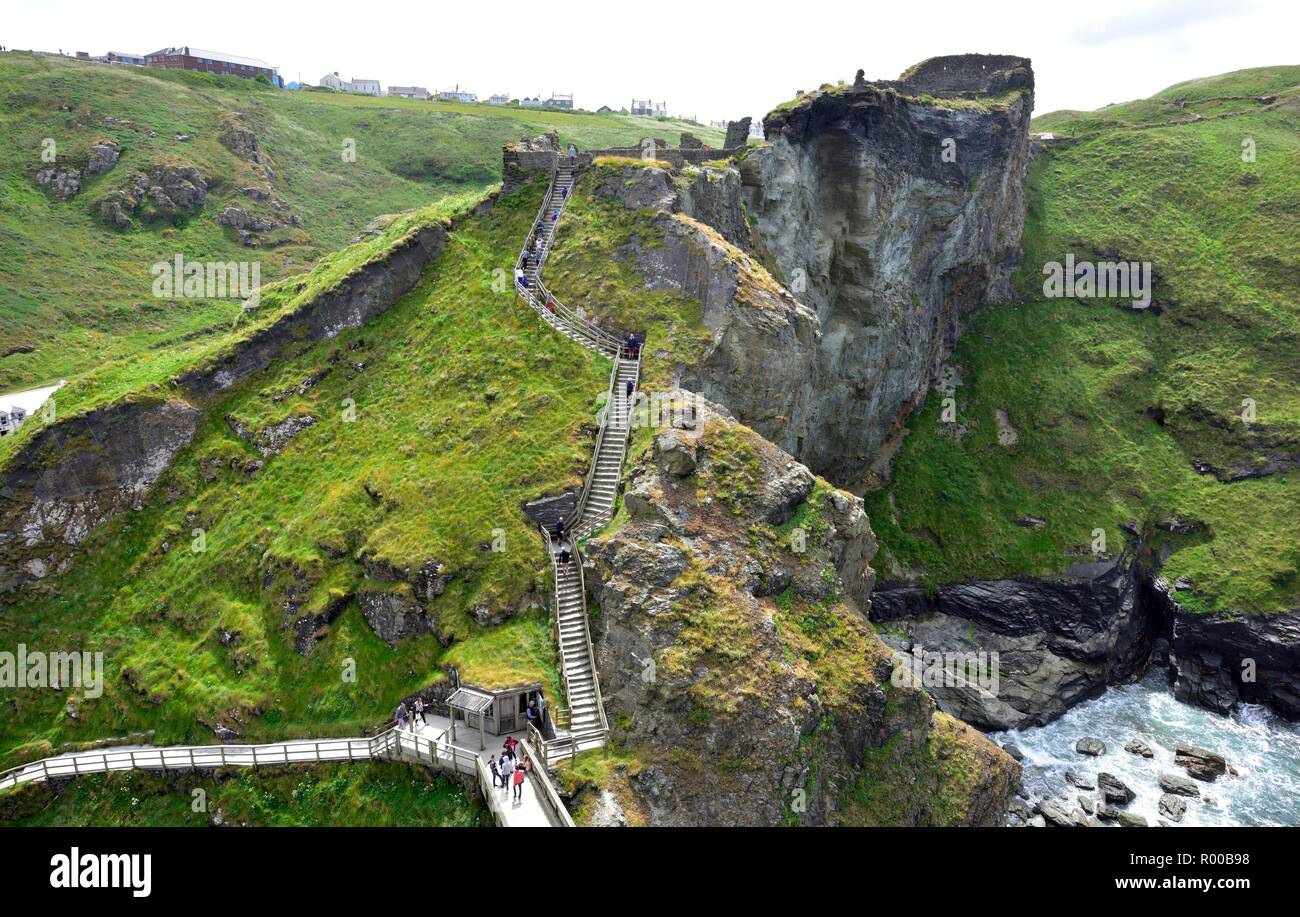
(711, 60)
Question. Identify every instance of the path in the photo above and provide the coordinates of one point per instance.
(588, 726)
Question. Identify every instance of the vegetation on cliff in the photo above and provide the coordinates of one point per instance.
(1113, 409)
(78, 291)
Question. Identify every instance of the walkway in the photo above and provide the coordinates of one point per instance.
(588, 726)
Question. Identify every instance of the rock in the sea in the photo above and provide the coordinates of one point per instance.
(1079, 781)
(1172, 807)
(1014, 751)
(1199, 762)
(1055, 814)
(1130, 820)
(1178, 784)
(1113, 789)
(1138, 747)
(1090, 746)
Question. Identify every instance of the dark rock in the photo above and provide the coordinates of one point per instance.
(1079, 781)
(1090, 746)
(1199, 762)
(103, 156)
(62, 183)
(1055, 815)
(1114, 790)
(239, 139)
(1014, 751)
(1138, 747)
(737, 133)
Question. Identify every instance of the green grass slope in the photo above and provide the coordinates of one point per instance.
(1112, 406)
(360, 794)
(433, 424)
(79, 292)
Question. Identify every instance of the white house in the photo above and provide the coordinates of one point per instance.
(559, 100)
(457, 95)
(332, 81)
(367, 87)
(531, 103)
(409, 92)
(649, 108)
(501, 98)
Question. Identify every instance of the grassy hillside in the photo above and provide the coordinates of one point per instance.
(80, 292)
(361, 794)
(466, 405)
(1113, 407)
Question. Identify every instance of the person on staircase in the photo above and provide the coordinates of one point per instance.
(631, 346)
(557, 531)
(418, 714)
(573, 154)
(401, 714)
(518, 779)
(566, 559)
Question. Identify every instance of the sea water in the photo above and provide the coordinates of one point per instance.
(1263, 748)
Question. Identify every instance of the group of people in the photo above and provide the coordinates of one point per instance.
(509, 773)
(416, 714)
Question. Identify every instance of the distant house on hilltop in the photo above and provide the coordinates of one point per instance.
(201, 61)
(650, 109)
(559, 100)
(119, 57)
(501, 98)
(409, 92)
(367, 87)
(531, 103)
(333, 81)
(604, 110)
(457, 95)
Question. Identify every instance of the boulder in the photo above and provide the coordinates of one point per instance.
(677, 452)
(1199, 762)
(62, 183)
(1090, 746)
(1079, 781)
(1179, 785)
(1138, 747)
(1172, 807)
(239, 139)
(1055, 815)
(1130, 820)
(1114, 790)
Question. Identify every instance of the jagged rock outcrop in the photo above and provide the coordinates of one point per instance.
(893, 216)
(1218, 660)
(1059, 641)
(161, 192)
(240, 139)
(723, 636)
(72, 475)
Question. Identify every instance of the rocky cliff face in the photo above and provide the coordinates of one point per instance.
(1058, 641)
(893, 210)
(735, 662)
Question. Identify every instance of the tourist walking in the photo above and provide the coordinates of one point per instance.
(573, 152)
(510, 746)
(419, 713)
(558, 530)
(566, 559)
(507, 769)
(519, 784)
(497, 779)
(401, 715)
